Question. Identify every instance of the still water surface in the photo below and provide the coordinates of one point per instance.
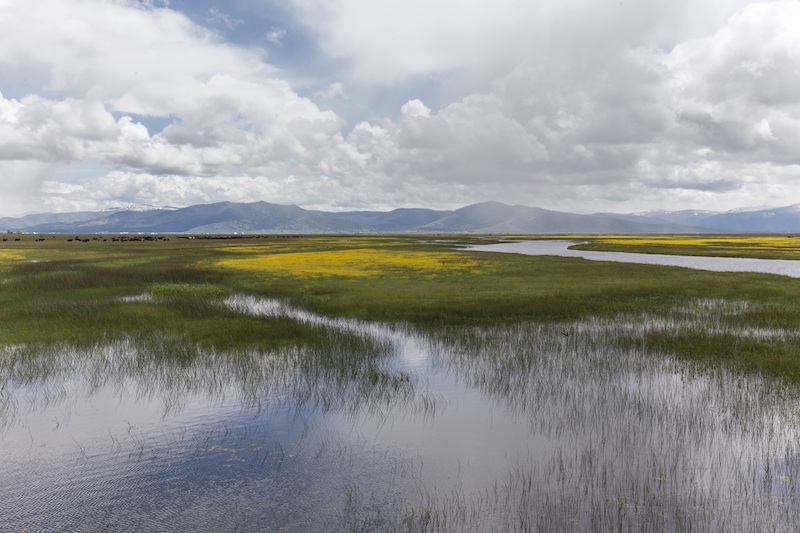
(559, 427)
(719, 264)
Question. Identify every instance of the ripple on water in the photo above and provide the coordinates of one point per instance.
(557, 427)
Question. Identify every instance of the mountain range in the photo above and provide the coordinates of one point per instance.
(486, 217)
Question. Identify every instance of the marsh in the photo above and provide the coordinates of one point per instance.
(570, 426)
(156, 385)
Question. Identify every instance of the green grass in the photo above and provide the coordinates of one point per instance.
(770, 358)
(72, 292)
(188, 290)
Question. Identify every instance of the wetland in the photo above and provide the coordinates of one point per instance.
(390, 383)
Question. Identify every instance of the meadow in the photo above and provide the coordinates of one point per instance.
(74, 286)
(639, 383)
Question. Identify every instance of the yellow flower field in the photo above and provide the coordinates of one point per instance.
(8, 256)
(357, 263)
(767, 246)
(770, 241)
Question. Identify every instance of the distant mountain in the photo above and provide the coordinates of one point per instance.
(28, 221)
(403, 219)
(494, 217)
(772, 220)
(486, 217)
(223, 217)
(778, 220)
(689, 217)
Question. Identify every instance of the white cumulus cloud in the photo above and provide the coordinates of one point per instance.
(571, 104)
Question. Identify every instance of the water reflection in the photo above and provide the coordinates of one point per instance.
(558, 427)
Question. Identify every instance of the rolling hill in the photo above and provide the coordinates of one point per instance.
(486, 217)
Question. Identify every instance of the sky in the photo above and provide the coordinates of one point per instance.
(572, 105)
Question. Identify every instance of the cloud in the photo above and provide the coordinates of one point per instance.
(389, 40)
(276, 36)
(218, 17)
(645, 124)
(107, 62)
(578, 104)
(21, 186)
(415, 108)
(120, 189)
(734, 90)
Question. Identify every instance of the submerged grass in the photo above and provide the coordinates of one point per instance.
(626, 441)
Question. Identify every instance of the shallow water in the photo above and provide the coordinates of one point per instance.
(560, 427)
(783, 267)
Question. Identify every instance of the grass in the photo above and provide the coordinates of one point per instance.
(354, 263)
(620, 440)
(755, 246)
(583, 352)
(58, 290)
(772, 358)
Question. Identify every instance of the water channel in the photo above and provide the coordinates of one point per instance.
(783, 267)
